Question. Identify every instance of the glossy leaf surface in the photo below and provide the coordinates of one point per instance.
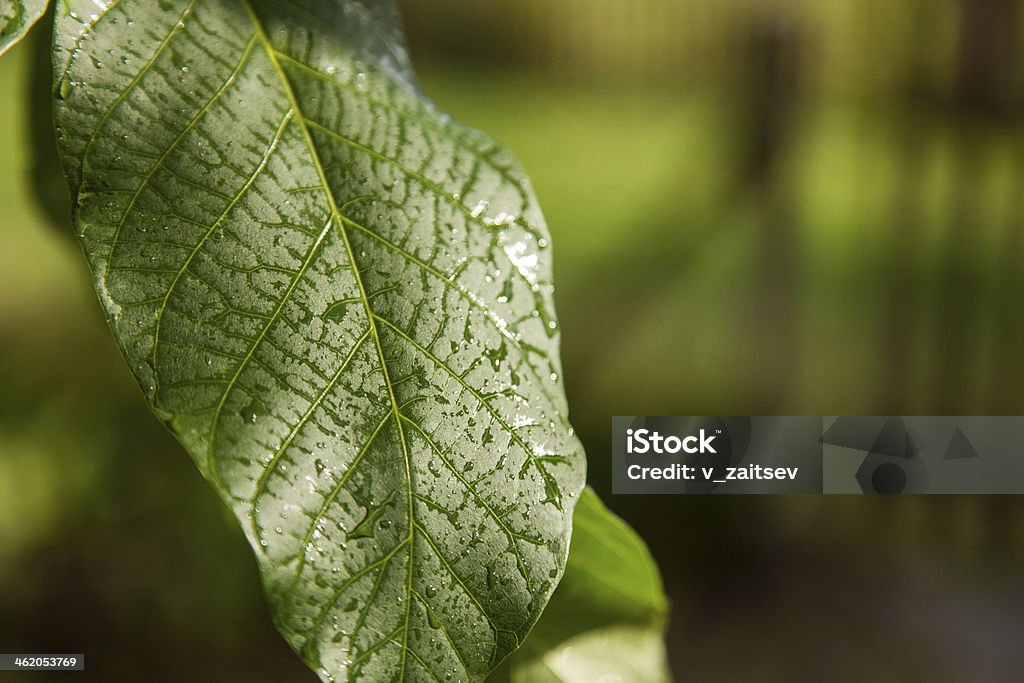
(339, 301)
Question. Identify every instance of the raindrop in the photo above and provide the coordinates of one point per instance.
(253, 410)
(65, 88)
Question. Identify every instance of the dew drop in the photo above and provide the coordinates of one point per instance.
(65, 88)
(254, 409)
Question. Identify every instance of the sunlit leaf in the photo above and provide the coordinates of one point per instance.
(340, 303)
(606, 620)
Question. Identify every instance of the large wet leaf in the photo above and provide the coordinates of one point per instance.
(16, 18)
(340, 302)
(606, 621)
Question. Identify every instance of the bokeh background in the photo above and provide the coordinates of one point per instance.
(758, 207)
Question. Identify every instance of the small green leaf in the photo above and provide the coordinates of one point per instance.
(606, 620)
(16, 18)
(340, 302)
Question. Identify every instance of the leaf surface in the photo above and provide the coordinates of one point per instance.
(607, 618)
(339, 301)
(16, 18)
(46, 179)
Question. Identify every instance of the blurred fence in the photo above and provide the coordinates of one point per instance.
(856, 46)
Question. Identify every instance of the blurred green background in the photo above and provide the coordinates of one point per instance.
(758, 207)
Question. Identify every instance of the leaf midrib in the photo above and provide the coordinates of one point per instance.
(336, 217)
(342, 221)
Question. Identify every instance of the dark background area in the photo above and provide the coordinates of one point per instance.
(757, 207)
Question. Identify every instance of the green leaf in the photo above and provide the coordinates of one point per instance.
(16, 18)
(340, 303)
(606, 620)
(45, 175)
